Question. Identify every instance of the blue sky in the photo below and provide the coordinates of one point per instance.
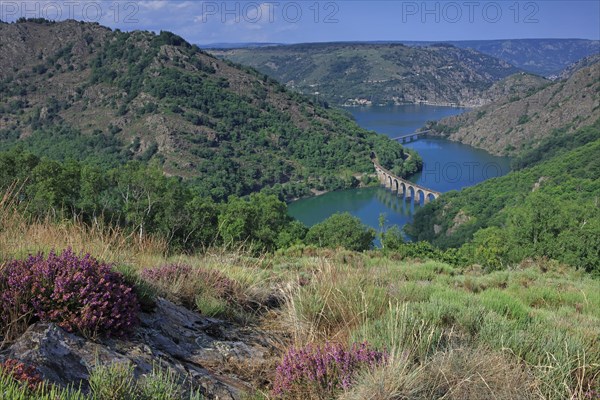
(206, 22)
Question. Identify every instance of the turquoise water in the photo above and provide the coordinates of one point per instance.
(447, 166)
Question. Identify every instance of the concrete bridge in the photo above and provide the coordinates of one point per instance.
(411, 136)
(403, 187)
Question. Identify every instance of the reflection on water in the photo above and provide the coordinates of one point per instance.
(447, 166)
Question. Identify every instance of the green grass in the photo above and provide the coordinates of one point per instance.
(533, 328)
(13, 390)
(544, 320)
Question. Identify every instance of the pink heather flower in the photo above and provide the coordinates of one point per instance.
(22, 373)
(325, 369)
(67, 289)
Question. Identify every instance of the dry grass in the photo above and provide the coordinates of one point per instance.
(332, 301)
(397, 379)
(458, 374)
(20, 236)
(476, 373)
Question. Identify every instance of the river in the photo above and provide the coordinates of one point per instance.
(447, 166)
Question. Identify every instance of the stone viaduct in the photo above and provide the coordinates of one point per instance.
(403, 187)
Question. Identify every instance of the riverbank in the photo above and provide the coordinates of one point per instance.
(368, 103)
(447, 166)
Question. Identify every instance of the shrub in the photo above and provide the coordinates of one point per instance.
(322, 371)
(341, 230)
(22, 373)
(144, 291)
(78, 293)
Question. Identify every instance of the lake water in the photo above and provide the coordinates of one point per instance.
(447, 166)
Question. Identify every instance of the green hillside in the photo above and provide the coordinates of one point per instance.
(363, 73)
(550, 208)
(81, 91)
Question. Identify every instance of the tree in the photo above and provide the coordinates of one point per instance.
(141, 189)
(490, 248)
(256, 221)
(202, 215)
(341, 230)
(391, 239)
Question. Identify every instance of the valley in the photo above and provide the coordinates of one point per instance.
(365, 74)
(187, 223)
(447, 166)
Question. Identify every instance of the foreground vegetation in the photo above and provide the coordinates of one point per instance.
(530, 331)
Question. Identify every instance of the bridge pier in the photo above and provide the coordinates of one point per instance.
(403, 187)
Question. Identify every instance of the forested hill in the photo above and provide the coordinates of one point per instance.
(523, 120)
(358, 73)
(79, 90)
(548, 207)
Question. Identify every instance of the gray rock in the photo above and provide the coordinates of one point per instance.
(218, 357)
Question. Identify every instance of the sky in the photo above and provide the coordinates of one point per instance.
(206, 22)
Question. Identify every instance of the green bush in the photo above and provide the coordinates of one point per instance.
(341, 230)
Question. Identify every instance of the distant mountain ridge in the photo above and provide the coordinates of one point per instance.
(545, 57)
(362, 73)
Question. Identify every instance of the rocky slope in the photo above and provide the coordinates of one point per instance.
(367, 73)
(206, 353)
(576, 66)
(514, 122)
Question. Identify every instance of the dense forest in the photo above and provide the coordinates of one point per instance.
(548, 207)
(141, 199)
(226, 129)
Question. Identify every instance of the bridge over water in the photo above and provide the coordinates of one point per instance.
(411, 136)
(403, 187)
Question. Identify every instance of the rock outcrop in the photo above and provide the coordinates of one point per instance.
(511, 124)
(219, 357)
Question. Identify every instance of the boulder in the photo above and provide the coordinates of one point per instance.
(219, 357)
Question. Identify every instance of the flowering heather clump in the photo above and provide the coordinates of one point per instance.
(22, 373)
(322, 371)
(78, 293)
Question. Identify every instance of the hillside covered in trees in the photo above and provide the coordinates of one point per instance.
(378, 73)
(548, 207)
(80, 91)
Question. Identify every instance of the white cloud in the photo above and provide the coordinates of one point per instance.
(153, 4)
